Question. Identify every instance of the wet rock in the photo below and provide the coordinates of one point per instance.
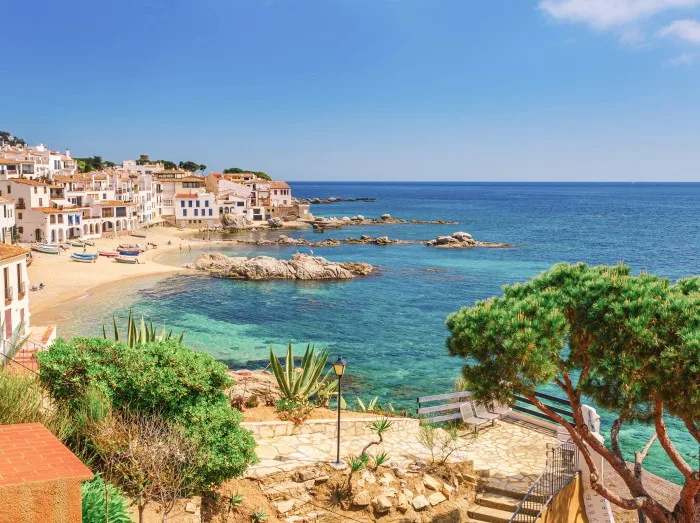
(274, 222)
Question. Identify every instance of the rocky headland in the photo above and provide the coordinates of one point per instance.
(320, 223)
(299, 267)
(334, 199)
(460, 240)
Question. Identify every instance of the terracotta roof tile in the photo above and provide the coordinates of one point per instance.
(31, 453)
(186, 196)
(8, 251)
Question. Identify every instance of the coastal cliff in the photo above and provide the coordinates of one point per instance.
(299, 267)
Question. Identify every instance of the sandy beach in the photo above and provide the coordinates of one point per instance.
(65, 280)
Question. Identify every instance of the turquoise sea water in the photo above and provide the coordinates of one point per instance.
(390, 327)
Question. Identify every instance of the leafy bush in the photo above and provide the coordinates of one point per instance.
(97, 496)
(161, 377)
(22, 401)
(292, 410)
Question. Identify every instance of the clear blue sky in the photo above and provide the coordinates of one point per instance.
(364, 89)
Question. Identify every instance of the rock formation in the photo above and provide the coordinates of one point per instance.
(460, 240)
(299, 267)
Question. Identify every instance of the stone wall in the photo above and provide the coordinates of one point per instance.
(348, 427)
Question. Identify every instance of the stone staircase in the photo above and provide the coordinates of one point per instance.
(497, 505)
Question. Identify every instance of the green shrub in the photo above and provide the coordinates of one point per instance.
(161, 377)
(22, 400)
(97, 496)
(301, 383)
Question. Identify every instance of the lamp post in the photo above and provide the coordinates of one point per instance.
(339, 368)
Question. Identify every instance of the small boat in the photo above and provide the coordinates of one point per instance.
(130, 246)
(138, 234)
(89, 242)
(109, 254)
(46, 248)
(128, 252)
(82, 259)
(76, 243)
(126, 259)
(86, 255)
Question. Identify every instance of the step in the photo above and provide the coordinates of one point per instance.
(492, 515)
(505, 503)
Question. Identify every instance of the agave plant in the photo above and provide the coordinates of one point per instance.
(300, 384)
(143, 333)
(370, 406)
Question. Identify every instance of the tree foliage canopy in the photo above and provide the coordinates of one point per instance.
(630, 342)
(162, 377)
(236, 170)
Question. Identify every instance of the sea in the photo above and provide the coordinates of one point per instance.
(389, 327)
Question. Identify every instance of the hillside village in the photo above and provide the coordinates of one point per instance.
(47, 199)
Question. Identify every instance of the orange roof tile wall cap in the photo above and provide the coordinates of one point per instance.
(29, 453)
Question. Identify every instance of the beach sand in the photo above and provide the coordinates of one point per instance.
(65, 280)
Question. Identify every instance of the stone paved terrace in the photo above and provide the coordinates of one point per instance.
(511, 453)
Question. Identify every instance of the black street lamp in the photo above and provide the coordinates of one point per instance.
(339, 368)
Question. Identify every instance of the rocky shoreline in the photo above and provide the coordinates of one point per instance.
(334, 199)
(299, 267)
(458, 240)
(320, 224)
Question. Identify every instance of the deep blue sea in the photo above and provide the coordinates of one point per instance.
(390, 327)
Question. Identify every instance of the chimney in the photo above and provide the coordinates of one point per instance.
(68, 153)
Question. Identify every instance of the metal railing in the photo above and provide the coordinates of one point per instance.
(561, 468)
(9, 291)
(21, 288)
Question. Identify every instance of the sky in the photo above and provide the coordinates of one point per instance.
(424, 90)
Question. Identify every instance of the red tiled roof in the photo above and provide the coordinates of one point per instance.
(8, 251)
(29, 452)
(115, 203)
(279, 185)
(186, 196)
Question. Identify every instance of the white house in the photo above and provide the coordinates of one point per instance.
(196, 210)
(15, 311)
(7, 219)
(280, 194)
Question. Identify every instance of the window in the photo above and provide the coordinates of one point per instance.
(9, 189)
(210, 212)
(189, 203)
(19, 215)
(182, 203)
(52, 219)
(197, 202)
(196, 212)
(35, 189)
(206, 203)
(41, 202)
(240, 204)
(20, 229)
(104, 195)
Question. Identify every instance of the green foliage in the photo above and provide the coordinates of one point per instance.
(300, 384)
(141, 333)
(259, 515)
(632, 339)
(293, 410)
(380, 425)
(357, 463)
(189, 166)
(158, 377)
(236, 170)
(22, 401)
(92, 163)
(6, 137)
(234, 501)
(369, 407)
(380, 458)
(167, 164)
(98, 498)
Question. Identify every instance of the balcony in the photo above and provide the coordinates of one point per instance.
(21, 290)
(20, 204)
(9, 291)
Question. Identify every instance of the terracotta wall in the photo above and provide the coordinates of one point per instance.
(51, 501)
(567, 505)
